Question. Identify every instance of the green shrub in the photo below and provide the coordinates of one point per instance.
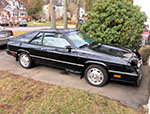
(115, 22)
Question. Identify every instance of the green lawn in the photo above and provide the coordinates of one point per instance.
(58, 23)
(19, 95)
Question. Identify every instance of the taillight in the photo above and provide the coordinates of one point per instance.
(7, 46)
(11, 33)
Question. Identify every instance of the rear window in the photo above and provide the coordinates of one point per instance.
(4, 19)
(1, 28)
(26, 37)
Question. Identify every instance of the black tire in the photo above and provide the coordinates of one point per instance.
(138, 83)
(99, 69)
(29, 60)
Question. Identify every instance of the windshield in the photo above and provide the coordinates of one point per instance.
(80, 39)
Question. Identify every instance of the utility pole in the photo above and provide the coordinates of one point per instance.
(53, 14)
(78, 13)
(65, 14)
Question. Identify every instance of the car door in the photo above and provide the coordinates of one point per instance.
(34, 47)
(55, 53)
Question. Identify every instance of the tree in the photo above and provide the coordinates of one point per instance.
(71, 7)
(130, 1)
(53, 14)
(88, 4)
(78, 12)
(65, 14)
(33, 7)
(115, 22)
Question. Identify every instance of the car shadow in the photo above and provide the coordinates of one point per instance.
(3, 47)
(122, 83)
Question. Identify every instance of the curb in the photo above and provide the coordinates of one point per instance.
(149, 88)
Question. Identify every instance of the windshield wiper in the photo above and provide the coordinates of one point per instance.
(84, 45)
(95, 44)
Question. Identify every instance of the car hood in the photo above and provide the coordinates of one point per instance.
(109, 53)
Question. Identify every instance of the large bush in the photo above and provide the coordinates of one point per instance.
(115, 22)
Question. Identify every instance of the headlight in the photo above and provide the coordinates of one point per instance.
(139, 63)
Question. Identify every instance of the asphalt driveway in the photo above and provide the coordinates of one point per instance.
(131, 96)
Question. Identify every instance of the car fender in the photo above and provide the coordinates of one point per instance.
(19, 51)
(96, 62)
(87, 63)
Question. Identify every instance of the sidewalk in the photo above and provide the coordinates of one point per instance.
(149, 85)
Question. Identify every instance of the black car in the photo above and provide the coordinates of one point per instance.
(76, 52)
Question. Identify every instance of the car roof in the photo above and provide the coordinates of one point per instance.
(58, 30)
(28, 36)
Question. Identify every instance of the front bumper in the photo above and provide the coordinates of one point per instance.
(128, 77)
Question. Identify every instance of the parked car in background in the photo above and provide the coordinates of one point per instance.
(22, 22)
(3, 21)
(76, 52)
(42, 20)
(16, 22)
(5, 35)
(81, 21)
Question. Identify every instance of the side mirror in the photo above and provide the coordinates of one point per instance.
(69, 48)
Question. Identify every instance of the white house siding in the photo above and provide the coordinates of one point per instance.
(45, 11)
(15, 9)
(145, 7)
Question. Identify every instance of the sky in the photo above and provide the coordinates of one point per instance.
(145, 7)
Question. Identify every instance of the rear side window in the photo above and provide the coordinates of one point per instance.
(26, 37)
(38, 39)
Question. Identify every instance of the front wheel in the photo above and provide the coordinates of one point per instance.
(25, 60)
(96, 75)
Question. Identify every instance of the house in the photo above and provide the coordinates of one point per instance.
(46, 10)
(3, 4)
(145, 7)
(58, 8)
(12, 9)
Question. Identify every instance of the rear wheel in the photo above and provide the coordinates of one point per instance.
(25, 60)
(96, 75)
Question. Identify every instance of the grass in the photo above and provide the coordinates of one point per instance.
(19, 33)
(19, 95)
(47, 23)
(38, 23)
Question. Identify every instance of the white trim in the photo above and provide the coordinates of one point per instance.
(126, 73)
(57, 60)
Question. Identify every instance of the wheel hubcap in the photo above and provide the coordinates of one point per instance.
(95, 76)
(24, 60)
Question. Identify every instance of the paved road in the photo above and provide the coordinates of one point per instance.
(31, 28)
(129, 95)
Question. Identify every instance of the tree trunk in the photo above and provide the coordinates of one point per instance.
(78, 13)
(65, 14)
(53, 14)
